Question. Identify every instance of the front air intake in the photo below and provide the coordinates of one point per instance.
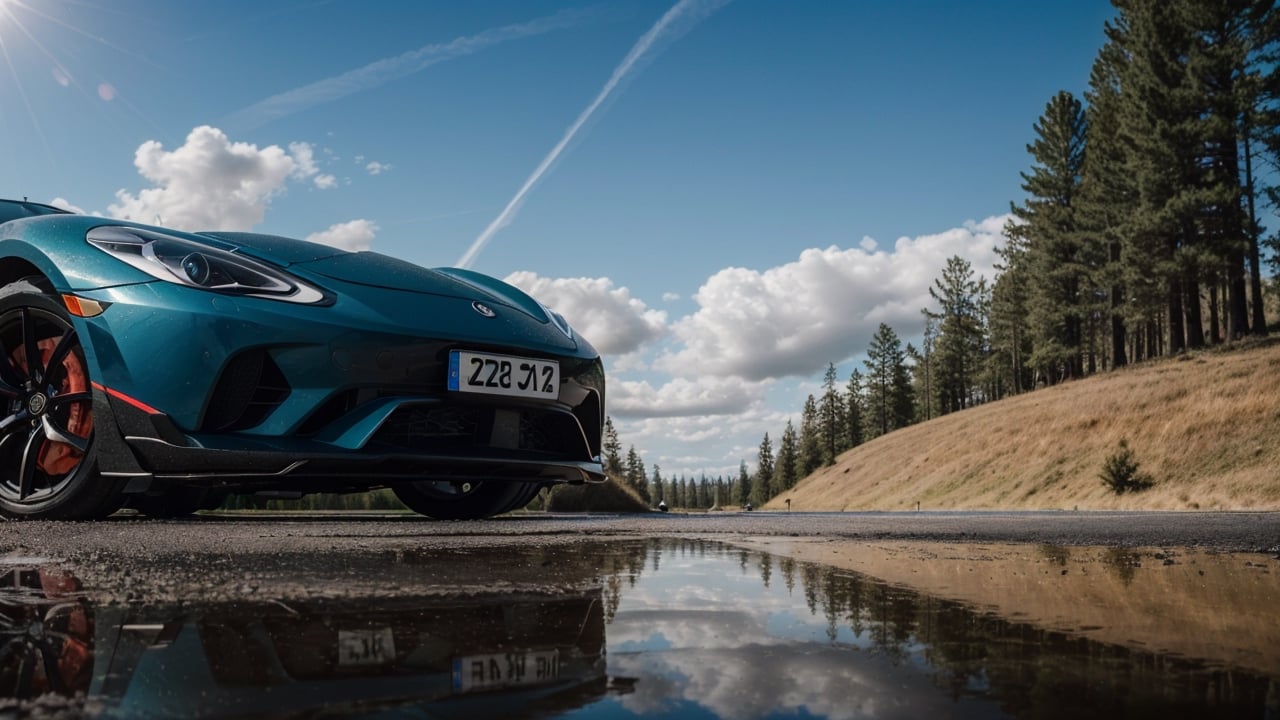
(249, 388)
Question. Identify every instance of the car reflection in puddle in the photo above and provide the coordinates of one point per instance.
(688, 628)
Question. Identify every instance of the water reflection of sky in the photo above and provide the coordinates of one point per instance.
(708, 631)
(658, 629)
(707, 638)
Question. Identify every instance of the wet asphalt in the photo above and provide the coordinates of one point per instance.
(221, 533)
(230, 556)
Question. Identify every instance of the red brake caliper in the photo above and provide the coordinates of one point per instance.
(59, 458)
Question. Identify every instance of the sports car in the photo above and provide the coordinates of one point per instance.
(163, 370)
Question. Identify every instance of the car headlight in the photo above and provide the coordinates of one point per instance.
(196, 265)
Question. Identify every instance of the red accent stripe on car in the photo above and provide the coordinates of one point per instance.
(121, 396)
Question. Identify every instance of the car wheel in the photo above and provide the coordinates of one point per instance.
(460, 500)
(527, 493)
(48, 465)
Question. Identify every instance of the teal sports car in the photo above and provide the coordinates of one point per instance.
(164, 370)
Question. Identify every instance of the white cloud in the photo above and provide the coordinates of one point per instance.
(682, 397)
(613, 320)
(209, 183)
(305, 167)
(354, 236)
(796, 318)
(60, 202)
(868, 243)
(692, 444)
(670, 297)
(304, 160)
(377, 168)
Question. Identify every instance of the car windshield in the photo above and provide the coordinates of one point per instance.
(13, 210)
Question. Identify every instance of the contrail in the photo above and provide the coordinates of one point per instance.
(392, 68)
(677, 21)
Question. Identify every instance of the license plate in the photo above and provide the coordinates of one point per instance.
(491, 374)
(503, 670)
(358, 648)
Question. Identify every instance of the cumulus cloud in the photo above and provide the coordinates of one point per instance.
(714, 444)
(353, 236)
(613, 320)
(701, 641)
(305, 167)
(670, 296)
(682, 397)
(210, 182)
(824, 307)
(304, 160)
(377, 168)
(65, 204)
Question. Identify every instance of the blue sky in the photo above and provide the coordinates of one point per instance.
(762, 183)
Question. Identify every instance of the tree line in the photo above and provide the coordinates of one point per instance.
(1140, 237)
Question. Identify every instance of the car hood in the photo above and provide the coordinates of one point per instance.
(377, 270)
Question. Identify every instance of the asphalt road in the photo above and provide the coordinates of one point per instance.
(228, 557)
(256, 532)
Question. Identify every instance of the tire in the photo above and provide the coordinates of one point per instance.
(529, 491)
(462, 500)
(48, 461)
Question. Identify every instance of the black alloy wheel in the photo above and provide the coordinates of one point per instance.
(48, 467)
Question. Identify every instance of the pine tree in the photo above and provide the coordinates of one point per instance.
(634, 471)
(633, 474)
(1162, 119)
(744, 484)
(855, 408)
(1261, 120)
(1059, 261)
(659, 487)
(612, 449)
(762, 486)
(959, 334)
(831, 417)
(889, 397)
(1108, 196)
(788, 451)
(810, 457)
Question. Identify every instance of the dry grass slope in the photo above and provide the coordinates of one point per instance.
(1206, 426)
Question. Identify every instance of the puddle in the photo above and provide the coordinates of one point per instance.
(671, 628)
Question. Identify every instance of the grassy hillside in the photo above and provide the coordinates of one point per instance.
(1205, 426)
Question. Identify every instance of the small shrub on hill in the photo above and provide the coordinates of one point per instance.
(1120, 472)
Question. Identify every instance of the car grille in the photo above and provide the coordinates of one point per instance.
(427, 429)
(461, 429)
